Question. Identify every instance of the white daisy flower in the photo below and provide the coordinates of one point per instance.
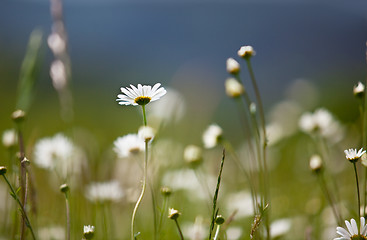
(352, 230)
(212, 135)
(128, 145)
(352, 154)
(141, 95)
(104, 191)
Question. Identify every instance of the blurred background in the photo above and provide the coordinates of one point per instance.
(308, 52)
(184, 45)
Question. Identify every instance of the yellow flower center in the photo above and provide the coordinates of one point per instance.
(142, 100)
(358, 237)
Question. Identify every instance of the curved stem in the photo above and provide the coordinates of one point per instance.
(142, 190)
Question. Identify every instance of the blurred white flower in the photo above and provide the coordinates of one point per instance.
(171, 108)
(128, 145)
(104, 191)
(187, 180)
(233, 88)
(196, 231)
(212, 135)
(315, 162)
(58, 74)
(56, 43)
(141, 95)
(323, 122)
(58, 153)
(193, 154)
(280, 227)
(352, 232)
(232, 66)
(10, 138)
(240, 202)
(234, 233)
(246, 52)
(52, 232)
(352, 154)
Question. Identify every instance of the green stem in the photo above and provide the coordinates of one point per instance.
(105, 224)
(144, 115)
(67, 208)
(217, 232)
(332, 203)
(358, 194)
(24, 214)
(262, 121)
(143, 187)
(179, 229)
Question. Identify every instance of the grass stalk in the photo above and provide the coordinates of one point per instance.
(21, 207)
(215, 198)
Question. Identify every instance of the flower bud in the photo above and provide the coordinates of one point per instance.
(64, 188)
(233, 67)
(234, 88)
(219, 220)
(246, 52)
(166, 191)
(2, 170)
(315, 163)
(193, 154)
(18, 116)
(88, 232)
(358, 90)
(173, 213)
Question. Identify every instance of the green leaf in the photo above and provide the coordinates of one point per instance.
(29, 71)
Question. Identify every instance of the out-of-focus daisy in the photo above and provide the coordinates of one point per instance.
(352, 154)
(193, 154)
(104, 191)
(170, 109)
(128, 145)
(280, 227)
(212, 135)
(234, 233)
(58, 153)
(322, 122)
(141, 95)
(195, 231)
(351, 232)
(10, 138)
(51, 232)
(241, 203)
